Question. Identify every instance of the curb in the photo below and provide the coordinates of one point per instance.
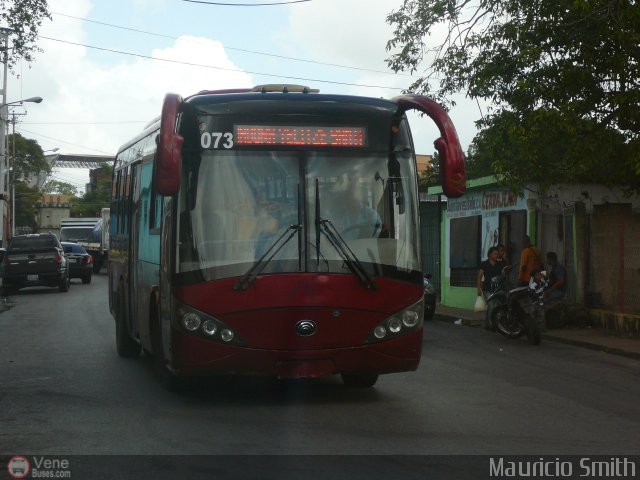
(593, 346)
(469, 322)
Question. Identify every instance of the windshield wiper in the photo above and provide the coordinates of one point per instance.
(350, 258)
(262, 262)
(318, 219)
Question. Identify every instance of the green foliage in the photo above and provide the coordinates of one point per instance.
(26, 198)
(23, 18)
(92, 203)
(548, 147)
(27, 157)
(572, 63)
(59, 188)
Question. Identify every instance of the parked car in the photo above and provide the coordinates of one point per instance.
(80, 262)
(429, 297)
(34, 260)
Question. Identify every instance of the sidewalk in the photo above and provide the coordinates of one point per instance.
(590, 337)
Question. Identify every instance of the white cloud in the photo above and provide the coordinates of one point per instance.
(84, 99)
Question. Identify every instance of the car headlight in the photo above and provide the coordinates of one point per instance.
(405, 321)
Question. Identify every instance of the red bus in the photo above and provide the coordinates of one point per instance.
(273, 231)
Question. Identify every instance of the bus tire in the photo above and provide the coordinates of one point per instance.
(126, 346)
(359, 380)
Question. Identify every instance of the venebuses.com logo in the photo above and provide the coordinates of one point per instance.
(19, 466)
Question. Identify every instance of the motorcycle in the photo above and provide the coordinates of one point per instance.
(519, 311)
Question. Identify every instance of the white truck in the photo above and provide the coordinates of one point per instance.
(91, 233)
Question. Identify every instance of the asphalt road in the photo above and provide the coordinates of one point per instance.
(64, 391)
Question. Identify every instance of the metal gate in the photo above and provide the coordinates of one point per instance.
(430, 230)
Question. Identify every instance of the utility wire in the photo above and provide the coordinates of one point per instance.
(86, 123)
(244, 50)
(57, 140)
(191, 64)
(247, 4)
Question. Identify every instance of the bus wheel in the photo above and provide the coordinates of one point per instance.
(127, 347)
(356, 380)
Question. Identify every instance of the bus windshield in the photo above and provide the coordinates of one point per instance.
(234, 205)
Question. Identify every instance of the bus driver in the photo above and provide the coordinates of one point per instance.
(353, 217)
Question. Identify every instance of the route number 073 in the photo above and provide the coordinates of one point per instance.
(216, 140)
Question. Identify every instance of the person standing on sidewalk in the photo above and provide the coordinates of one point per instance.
(530, 260)
(490, 268)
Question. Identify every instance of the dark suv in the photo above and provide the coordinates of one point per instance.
(36, 259)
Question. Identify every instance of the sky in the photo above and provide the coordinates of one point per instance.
(106, 66)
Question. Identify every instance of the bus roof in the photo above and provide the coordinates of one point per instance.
(290, 98)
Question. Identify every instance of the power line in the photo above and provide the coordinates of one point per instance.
(190, 64)
(119, 122)
(57, 140)
(244, 50)
(247, 4)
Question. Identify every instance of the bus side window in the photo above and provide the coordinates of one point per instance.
(155, 211)
(115, 202)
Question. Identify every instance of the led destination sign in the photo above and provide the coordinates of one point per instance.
(300, 135)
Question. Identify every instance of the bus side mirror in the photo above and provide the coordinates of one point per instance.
(452, 173)
(169, 153)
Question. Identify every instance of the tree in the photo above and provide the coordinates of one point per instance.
(26, 198)
(59, 188)
(576, 62)
(23, 18)
(518, 150)
(27, 157)
(27, 162)
(93, 201)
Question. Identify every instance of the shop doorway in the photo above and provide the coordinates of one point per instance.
(513, 225)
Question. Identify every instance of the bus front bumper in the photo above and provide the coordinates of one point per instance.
(194, 356)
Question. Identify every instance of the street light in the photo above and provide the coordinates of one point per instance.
(4, 149)
(20, 102)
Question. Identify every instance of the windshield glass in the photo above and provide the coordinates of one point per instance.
(237, 208)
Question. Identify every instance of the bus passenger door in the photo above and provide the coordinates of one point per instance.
(134, 250)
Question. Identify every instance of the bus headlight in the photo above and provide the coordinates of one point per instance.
(191, 321)
(227, 335)
(395, 325)
(410, 318)
(380, 332)
(206, 326)
(405, 321)
(209, 327)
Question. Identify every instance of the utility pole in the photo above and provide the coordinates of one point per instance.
(12, 179)
(4, 181)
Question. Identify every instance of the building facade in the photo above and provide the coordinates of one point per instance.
(594, 230)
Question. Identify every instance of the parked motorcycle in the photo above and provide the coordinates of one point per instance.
(519, 311)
